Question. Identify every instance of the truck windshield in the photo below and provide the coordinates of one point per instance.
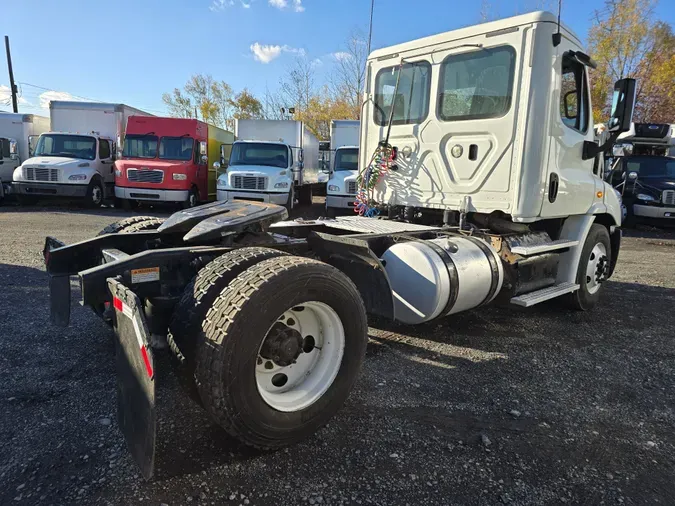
(69, 146)
(140, 146)
(651, 166)
(347, 159)
(250, 153)
(176, 148)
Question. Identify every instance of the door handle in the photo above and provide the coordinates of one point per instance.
(553, 185)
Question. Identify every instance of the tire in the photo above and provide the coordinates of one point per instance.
(291, 201)
(201, 292)
(305, 195)
(95, 193)
(119, 226)
(253, 304)
(330, 212)
(590, 287)
(192, 200)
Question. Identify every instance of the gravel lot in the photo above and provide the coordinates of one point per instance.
(538, 406)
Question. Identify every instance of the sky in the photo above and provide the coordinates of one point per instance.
(132, 51)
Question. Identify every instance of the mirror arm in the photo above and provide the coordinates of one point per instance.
(591, 148)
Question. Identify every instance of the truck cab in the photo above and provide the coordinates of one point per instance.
(644, 173)
(341, 190)
(68, 164)
(259, 171)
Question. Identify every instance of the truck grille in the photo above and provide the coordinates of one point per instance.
(351, 187)
(41, 174)
(668, 197)
(249, 182)
(145, 176)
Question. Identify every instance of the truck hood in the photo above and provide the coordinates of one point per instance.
(657, 183)
(142, 164)
(256, 170)
(54, 162)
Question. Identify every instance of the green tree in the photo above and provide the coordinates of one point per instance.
(202, 97)
(246, 106)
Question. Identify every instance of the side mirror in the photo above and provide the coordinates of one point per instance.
(216, 166)
(571, 104)
(202, 148)
(204, 159)
(632, 175)
(623, 103)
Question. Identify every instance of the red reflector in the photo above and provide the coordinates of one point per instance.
(146, 360)
(118, 304)
(394, 153)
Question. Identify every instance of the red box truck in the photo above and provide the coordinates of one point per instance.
(169, 160)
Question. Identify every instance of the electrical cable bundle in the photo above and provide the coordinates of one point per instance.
(380, 163)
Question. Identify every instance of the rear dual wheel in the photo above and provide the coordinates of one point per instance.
(280, 350)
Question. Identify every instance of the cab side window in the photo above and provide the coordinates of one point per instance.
(103, 149)
(412, 88)
(574, 101)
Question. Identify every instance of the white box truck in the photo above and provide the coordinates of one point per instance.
(75, 158)
(344, 146)
(272, 161)
(18, 133)
(483, 145)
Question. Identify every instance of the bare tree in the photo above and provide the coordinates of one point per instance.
(349, 77)
(297, 88)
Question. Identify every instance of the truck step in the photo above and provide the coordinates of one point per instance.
(543, 248)
(550, 292)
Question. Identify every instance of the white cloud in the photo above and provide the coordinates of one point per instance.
(245, 5)
(279, 4)
(219, 5)
(6, 97)
(342, 56)
(48, 96)
(265, 53)
(297, 6)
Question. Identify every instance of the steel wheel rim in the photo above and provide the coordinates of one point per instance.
(300, 384)
(192, 199)
(596, 270)
(96, 194)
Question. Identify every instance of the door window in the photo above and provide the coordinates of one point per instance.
(411, 104)
(103, 149)
(476, 85)
(574, 94)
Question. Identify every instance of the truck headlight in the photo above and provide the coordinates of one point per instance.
(179, 177)
(333, 188)
(77, 177)
(118, 173)
(281, 185)
(646, 198)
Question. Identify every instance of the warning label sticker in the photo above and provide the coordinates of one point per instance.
(145, 275)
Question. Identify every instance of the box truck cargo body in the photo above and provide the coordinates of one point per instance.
(344, 144)
(271, 161)
(169, 160)
(18, 132)
(75, 159)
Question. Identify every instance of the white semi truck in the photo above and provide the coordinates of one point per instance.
(272, 161)
(75, 158)
(344, 145)
(477, 157)
(18, 134)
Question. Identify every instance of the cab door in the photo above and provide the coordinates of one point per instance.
(453, 120)
(571, 182)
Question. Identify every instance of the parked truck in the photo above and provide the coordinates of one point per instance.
(644, 172)
(75, 158)
(477, 158)
(18, 133)
(169, 160)
(344, 145)
(271, 161)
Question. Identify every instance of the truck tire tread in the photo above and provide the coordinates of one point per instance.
(115, 228)
(230, 327)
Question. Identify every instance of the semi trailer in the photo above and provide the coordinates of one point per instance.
(75, 158)
(18, 134)
(272, 161)
(168, 160)
(344, 145)
(476, 169)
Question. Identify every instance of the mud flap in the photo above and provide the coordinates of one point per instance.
(136, 410)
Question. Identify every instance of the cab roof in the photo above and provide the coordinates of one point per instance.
(473, 30)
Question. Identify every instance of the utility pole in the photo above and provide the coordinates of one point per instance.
(12, 86)
(370, 31)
